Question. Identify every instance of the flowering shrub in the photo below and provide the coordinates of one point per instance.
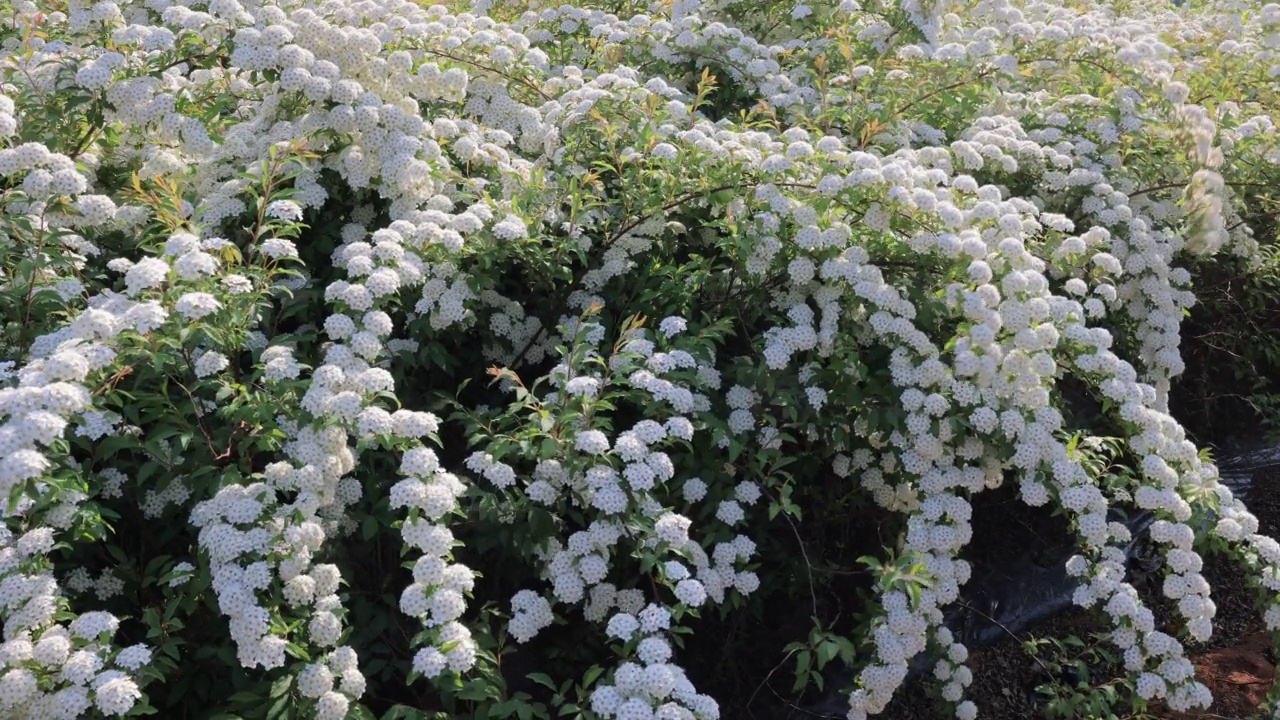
(349, 345)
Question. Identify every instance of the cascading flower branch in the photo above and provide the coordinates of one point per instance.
(625, 486)
(51, 663)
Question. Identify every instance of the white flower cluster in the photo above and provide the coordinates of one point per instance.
(690, 32)
(654, 687)
(1005, 366)
(230, 530)
(582, 567)
(50, 670)
(514, 331)
(248, 533)
(530, 613)
(332, 683)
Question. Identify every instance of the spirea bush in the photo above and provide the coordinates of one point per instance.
(354, 349)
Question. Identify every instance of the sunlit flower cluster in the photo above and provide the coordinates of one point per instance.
(896, 228)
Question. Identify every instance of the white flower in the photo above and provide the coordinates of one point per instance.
(134, 657)
(691, 593)
(287, 210)
(115, 693)
(592, 442)
(622, 626)
(278, 248)
(510, 228)
(237, 284)
(210, 363)
(582, 386)
(145, 274)
(672, 326)
(196, 305)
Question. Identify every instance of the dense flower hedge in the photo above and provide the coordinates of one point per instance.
(349, 342)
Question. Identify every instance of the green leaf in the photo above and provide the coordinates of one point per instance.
(592, 674)
(279, 708)
(544, 680)
(826, 652)
(281, 686)
(803, 660)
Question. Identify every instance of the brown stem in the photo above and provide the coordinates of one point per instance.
(84, 142)
(1157, 188)
(35, 267)
(941, 90)
(1253, 217)
(813, 595)
(1002, 626)
(489, 68)
(770, 675)
(204, 429)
